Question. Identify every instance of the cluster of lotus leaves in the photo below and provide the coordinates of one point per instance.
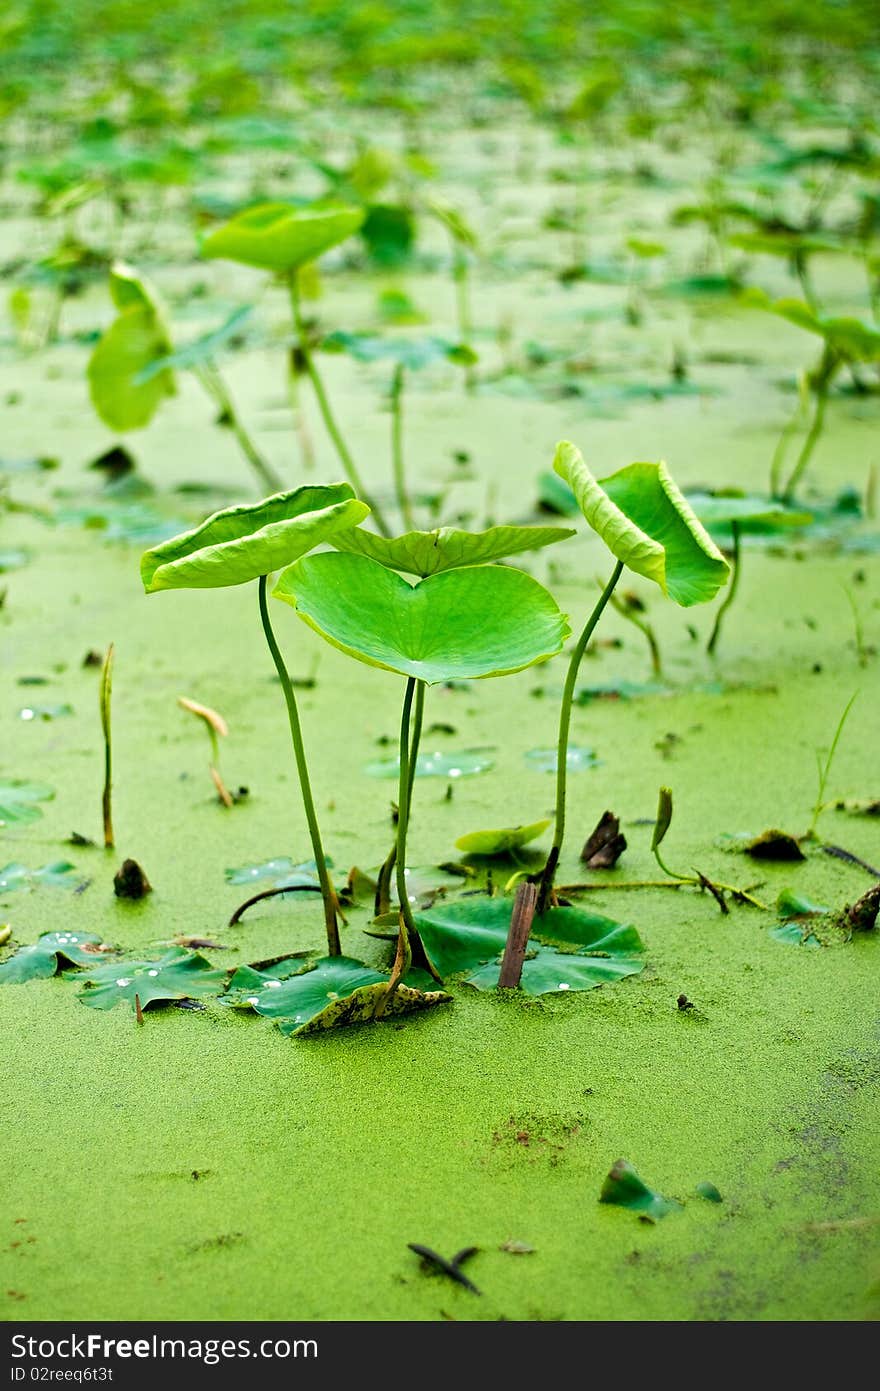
(280, 237)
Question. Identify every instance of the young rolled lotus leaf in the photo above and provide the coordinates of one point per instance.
(246, 543)
(52, 952)
(649, 527)
(123, 397)
(280, 237)
(460, 624)
(426, 553)
(473, 622)
(178, 975)
(502, 841)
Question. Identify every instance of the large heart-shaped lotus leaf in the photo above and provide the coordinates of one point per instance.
(279, 237)
(472, 932)
(427, 552)
(549, 972)
(19, 800)
(502, 841)
(177, 975)
(120, 395)
(483, 620)
(60, 874)
(849, 337)
(49, 954)
(751, 513)
(242, 543)
(646, 522)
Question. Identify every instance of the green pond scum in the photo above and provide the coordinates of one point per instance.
(498, 392)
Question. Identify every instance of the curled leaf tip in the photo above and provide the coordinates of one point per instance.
(204, 712)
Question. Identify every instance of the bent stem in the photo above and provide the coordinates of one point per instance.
(629, 613)
(731, 589)
(210, 379)
(308, 362)
(397, 462)
(783, 442)
(546, 886)
(407, 928)
(383, 884)
(332, 912)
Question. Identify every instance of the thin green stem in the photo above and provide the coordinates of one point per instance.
(348, 464)
(629, 613)
(382, 901)
(781, 449)
(825, 770)
(328, 893)
(407, 927)
(729, 597)
(105, 698)
(562, 745)
(815, 430)
(397, 460)
(210, 379)
(463, 306)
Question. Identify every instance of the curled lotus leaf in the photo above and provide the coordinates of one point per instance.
(279, 237)
(244, 542)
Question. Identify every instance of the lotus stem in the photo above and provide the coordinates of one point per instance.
(332, 912)
(731, 589)
(212, 382)
(383, 885)
(397, 460)
(781, 449)
(815, 430)
(547, 877)
(407, 928)
(463, 307)
(349, 466)
(825, 769)
(629, 613)
(106, 692)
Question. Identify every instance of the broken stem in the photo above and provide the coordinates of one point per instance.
(106, 692)
(546, 887)
(328, 893)
(518, 937)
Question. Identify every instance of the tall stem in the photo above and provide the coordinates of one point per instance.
(407, 927)
(106, 799)
(782, 444)
(731, 589)
(328, 893)
(562, 744)
(397, 462)
(210, 378)
(348, 464)
(383, 886)
(815, 430)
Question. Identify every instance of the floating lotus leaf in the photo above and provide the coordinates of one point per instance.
(19, 800)
(335, 991)
(436, 764)
(279, 237)
(244, 542)
(717, 512)
(411, 353)
(177, 975)
(281, 871)
(248, 982)
(502, 841)
(478, 621)
(59, 875)
(427, 552)
(647, 523)
(48, 955)
(470, 935)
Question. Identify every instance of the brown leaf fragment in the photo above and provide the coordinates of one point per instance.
(774, 845)
(862, 916)
(130, 881)
(199, 943)
(606, 843)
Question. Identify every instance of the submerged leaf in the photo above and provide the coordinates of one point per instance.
(177, 975)
(52, 952)
(59, 874)
(19, 800)
(282, 871)
(792, 905)
(793, 934)
(478, 621)
(244, 542)
(428, 552)
(436, 765)
(502, 841)
(247, 981)
(646, 522)
(280, 237)
(624, 1188)
(577, 759)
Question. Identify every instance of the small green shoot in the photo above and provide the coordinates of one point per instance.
(216, 727)
(824, 769)
(106, 692)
